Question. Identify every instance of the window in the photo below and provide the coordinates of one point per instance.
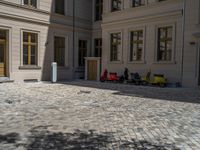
(60, 7)
(59, 50)
(31, 3)
(137, 3)
(82, 52)
(115, 46)
(98, 47)
(165, 43)
(116, 5)
(136, 45)
(98, 10)
(30, 48)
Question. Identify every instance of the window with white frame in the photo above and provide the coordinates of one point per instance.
(136, 45)
(137, 3)
(30, 48)
(30, 3)
(165, 43)
(115, 46)
(116, 5)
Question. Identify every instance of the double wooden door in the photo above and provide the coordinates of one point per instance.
(2, 58)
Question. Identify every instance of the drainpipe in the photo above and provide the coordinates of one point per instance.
(183, 40)
(73, 63)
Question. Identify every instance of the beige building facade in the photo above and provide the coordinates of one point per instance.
(141, 35)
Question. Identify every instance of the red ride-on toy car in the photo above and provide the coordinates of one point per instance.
(112, 77)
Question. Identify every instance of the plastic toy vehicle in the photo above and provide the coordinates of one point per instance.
(112, 77)
(136, 78)
(158, 79)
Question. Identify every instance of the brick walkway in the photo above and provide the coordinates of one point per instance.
(97, 116)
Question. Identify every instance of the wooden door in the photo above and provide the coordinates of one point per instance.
(2, 58)
(92, 70)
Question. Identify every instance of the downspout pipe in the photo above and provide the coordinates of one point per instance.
(183, 41)
(73, 53)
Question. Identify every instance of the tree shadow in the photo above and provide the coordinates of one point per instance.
(41, 138)
(9, 138)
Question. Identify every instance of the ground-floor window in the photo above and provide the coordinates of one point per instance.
(165, 42)
(59, 50)
(31, 3)
(137, 3)
(82, 53)
(30, 48)
(115, 46)
(116, 5)
(136, 45)
(98, 47)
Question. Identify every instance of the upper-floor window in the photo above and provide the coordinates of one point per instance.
(137, 3)
(98, 47)
(136, 45)
(31, 3)
(30, 48)
(115, 46)
(59, 50)
(60, 7)
(165, 43)
(98, 10)
(82, 52)
(116, 5)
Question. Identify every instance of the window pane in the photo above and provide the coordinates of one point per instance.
(2, 53)
(59, 6)
(34, 3)
(2, 34)
(25, 37)
(33, 38)
(26, 2)
(25, 54)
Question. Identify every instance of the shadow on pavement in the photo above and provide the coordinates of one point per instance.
(42, 139)
(169, 94)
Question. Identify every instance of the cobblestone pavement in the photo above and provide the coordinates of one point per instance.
(98, 116)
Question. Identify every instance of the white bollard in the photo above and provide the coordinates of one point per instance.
(54, 72)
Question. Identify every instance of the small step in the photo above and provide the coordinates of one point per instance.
(5, 80)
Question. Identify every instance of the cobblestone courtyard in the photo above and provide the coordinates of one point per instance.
(92, 116)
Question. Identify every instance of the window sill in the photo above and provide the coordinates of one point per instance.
(136, 62)
(115, 62)
(30, 68)
(165, 62)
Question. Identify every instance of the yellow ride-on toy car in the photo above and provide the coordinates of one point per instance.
(158, 79)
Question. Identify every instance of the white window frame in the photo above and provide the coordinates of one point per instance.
(66, 65)
(37, 7)
(110, 7)
(172, 61)
(38, 46)
(121, 50)
(143, 28)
